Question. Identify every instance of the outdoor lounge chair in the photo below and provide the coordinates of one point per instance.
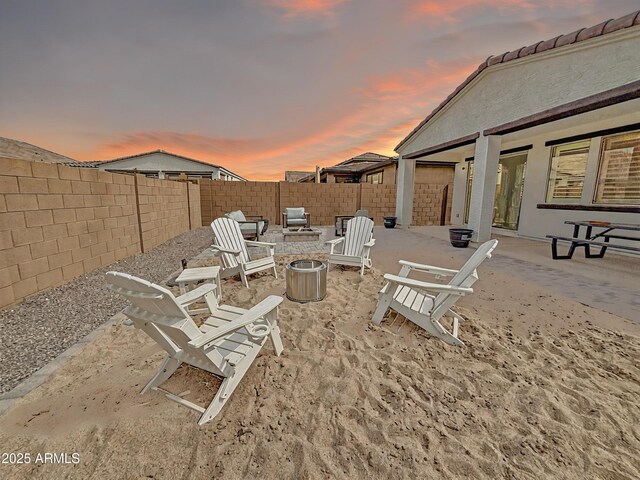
(251, 226)
(342, 219)
(231, 247)
(225, 345)
(426, 303)
(296, 217)
(356, 244)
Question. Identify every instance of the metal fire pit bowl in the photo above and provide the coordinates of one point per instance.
(306, 280)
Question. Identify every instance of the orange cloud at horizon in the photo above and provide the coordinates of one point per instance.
(389, 107)
(293, 8)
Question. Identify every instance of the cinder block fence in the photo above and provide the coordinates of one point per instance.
(58, 222)
(432, 201)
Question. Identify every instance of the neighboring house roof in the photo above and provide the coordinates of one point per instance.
(129, 157)
(364, 157)
(87, 164)
(358, 164)
(11, 148)
(603, 28)
(295, 175)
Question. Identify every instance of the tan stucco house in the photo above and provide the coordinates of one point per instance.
(381, 169)
(539, 135)
(162, 164)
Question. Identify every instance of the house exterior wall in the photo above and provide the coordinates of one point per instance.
(538, 222)
(533, 84)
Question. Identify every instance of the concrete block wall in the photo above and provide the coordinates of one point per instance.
(427, 204)
(379, 201)
(163, 210)
(57, 222)
(253, 198)
(194, 205)
(322, 200)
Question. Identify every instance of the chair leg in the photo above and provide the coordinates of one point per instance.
(383, 305)
(227, 387)
(276, 340)
(275, 272)
(168, 367)
(437, 330)
(362, 269)
(243, 278)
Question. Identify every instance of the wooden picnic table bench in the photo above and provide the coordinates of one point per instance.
(600, 239)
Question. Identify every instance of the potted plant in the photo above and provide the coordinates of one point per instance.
(460, 237)
(389, 222)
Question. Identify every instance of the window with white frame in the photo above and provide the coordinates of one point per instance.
(566, 173)
(375, 178)
(619, 175)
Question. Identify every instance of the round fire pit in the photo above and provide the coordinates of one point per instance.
(306, 280)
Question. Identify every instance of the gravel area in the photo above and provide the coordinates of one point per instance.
(37, 330)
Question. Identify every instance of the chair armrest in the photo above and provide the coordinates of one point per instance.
(370, 243)
(258, 217)
(335, 241)
(308, 217)
(250, 316)
(445, 272)
(432, 287)
(253, 243)
(233, 251)
(196, 294)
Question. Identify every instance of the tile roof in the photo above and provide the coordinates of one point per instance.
(295, 175)
(603, 28)
(359, 163)
(87, 164)
(11, 148)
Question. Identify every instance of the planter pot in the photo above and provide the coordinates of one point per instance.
(460, 237)
(389, 222)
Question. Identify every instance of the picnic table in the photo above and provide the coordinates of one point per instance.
(600, 238)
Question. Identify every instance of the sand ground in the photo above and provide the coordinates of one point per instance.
(547, 387)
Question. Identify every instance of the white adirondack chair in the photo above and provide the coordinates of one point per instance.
(356, 244)
(426, 303)
(231, 247)
(225, 345)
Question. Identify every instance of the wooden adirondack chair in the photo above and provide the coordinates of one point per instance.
(225, 345)
(231, 247)
(426, 303)
(356, 244)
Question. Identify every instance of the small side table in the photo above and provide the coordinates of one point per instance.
(195, 275)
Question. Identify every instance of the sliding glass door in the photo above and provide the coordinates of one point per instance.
(509, 187)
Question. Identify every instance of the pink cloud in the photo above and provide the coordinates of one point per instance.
(453, 10)
(310, 8)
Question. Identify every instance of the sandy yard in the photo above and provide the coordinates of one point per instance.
(524, 399)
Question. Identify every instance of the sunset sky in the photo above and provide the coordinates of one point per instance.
(258, 86)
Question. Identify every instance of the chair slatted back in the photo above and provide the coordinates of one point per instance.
(465, 277)
(154, 310)
(359, 231)
(227, 234)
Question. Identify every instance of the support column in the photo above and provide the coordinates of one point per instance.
(404, 190)
(483, 186)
